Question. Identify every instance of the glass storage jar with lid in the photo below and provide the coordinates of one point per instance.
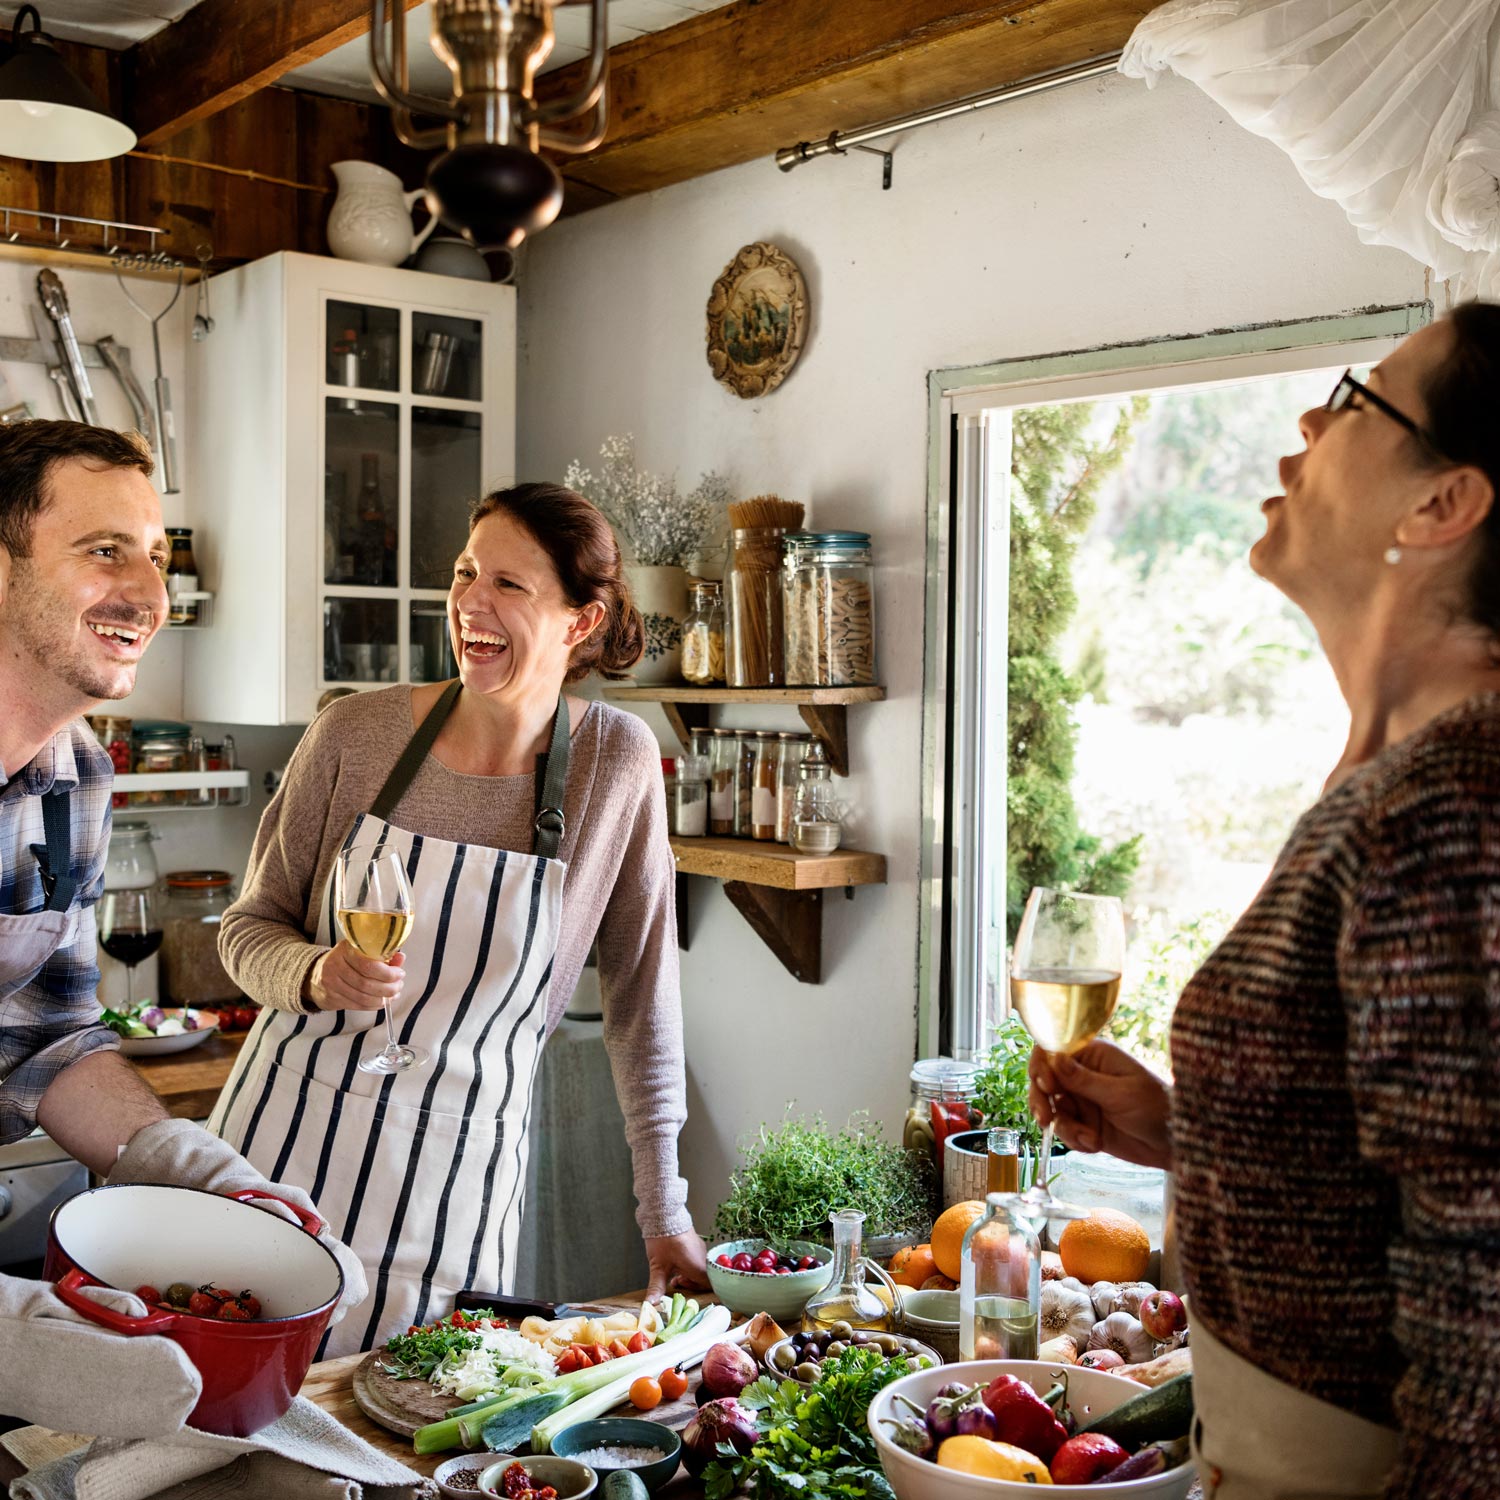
(828, 590)
(191, 972)
(161, 746)
(816, 826)
(753, 608)
(691, 819)
(724, 779)
(130, 865)
(1094, 1179)
(942, 1095)
(703, 633)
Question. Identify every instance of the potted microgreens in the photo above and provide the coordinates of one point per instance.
(660, 531)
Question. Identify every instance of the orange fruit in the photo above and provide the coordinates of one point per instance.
(913, 1265)
(939, 1283)
(948, 1235)
(1106, 1246)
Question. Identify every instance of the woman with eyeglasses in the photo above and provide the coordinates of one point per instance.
(1334, 1124)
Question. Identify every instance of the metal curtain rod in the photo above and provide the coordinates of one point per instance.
(837, 142)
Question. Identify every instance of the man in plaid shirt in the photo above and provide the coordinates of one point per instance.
(82, 550)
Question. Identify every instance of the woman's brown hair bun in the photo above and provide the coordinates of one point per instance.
(583, 549)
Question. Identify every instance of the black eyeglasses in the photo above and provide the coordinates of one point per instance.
(1348, 387)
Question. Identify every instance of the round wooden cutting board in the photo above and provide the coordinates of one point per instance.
(400, 1405)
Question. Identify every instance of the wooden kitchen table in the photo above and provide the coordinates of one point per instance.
(188, 1083)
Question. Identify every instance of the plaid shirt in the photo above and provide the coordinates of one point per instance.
(49, 1019)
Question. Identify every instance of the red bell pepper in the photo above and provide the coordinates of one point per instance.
(949, 1116)
(1023, 1418)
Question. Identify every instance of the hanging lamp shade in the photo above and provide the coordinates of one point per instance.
(47, 113)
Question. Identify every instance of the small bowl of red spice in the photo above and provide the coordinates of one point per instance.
(530, 1477)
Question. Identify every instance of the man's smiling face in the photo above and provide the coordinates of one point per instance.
(84, 603)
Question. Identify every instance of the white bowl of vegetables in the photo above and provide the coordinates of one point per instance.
(148, 1030)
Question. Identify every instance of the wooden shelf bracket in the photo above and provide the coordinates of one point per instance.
(789, 923)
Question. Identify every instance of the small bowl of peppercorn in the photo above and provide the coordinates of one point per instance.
(530, 1477)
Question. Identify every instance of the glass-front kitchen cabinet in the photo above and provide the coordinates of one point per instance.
(341, 419)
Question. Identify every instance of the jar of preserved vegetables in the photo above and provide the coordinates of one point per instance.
(828, 591)
(942, 1093)
(703, 633)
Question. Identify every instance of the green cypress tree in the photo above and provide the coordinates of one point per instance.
(1057, 468)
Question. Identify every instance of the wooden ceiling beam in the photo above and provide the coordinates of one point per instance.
(222, 51)
(737, 83)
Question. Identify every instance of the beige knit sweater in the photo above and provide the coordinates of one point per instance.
(619, 889)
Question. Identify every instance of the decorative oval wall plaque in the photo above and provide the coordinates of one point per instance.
(757, 320)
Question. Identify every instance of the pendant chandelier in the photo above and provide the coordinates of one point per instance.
(490, 183)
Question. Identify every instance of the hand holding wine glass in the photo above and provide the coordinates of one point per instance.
(1064, 982)
(1103, 1099)
(374, 903)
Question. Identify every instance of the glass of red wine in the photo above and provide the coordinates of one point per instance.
(130, 930)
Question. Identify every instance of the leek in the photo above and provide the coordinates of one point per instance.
(540, 1401)
(712, 1325)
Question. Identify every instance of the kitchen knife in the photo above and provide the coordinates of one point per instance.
(113, 356)
(55, 300)
(513, 1309)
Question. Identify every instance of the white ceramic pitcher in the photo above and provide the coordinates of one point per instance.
(371, 218)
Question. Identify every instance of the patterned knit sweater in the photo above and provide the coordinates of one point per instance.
(1336, 1115)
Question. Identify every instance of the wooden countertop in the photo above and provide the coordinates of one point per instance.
(189, 1082)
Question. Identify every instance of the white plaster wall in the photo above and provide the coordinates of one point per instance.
(1095, 214)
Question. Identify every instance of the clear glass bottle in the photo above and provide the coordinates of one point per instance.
(764, 775)
(753, 608)
(182, 577)
(692, 797)
(828, 608)
(790, 772)
(743, 784)
(724, 779)
(703, 633)
(1000, 1283)
(846, 1298)
(816, 827)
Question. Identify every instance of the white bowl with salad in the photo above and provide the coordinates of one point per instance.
(149, 1030)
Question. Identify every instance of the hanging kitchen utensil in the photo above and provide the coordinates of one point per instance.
(203, 324)
(55, 300)
(113, 356)
(167, 445)
(65, 392)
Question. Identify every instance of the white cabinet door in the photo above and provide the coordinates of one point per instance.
(344, 417)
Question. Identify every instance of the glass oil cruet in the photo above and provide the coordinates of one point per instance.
(846, 1298)
(1000, 1283)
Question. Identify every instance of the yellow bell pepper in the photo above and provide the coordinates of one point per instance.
(990, 1460)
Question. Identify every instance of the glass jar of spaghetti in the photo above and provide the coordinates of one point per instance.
(753, 607)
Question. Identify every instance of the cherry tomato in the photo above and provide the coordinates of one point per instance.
(250, 1302)
(148, 1294)
(673, 1384)
(202, 1305)
(645, 1393)
(233, 1312)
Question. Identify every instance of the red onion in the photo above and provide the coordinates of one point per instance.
(718, 1423)
(727, 1370)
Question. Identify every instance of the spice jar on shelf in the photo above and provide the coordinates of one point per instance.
(191, 971)
(753, 607)
(181, 577)
(703, 634)
(765, 771)
(828, 607)
(816, 827)
(691, 797)
(161, 746)
(723, 783)
(743, 784)
(789, 777)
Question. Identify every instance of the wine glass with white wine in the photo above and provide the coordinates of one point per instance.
(1064, 981)
(373, 898)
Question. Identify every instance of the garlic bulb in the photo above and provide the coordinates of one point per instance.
(1124, 1334)
(1066, 1310)
(1073, 1283)
(1132, 1294)
(1106, 1297)
(1052, 1267)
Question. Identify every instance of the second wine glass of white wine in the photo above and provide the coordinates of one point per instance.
(1064, 982)
(374, 904)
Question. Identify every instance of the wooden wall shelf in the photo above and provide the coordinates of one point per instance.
(824, 710)
(776, 865)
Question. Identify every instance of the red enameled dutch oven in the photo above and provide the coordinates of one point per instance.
(140, 1235)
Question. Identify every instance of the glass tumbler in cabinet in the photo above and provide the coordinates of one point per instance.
(361, 513)
(360, 642)
(445, 477)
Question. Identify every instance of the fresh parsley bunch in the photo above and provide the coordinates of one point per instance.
(415, 1355)
(814, 1443)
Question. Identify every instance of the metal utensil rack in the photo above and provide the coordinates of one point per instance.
(109, 241)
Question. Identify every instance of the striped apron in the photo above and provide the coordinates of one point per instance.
(420, 1173)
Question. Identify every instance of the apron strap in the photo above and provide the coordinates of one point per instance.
(550, 824)
(406, 768)
(56, 857)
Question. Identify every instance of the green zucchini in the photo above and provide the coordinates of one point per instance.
(1153, 1416)
(623, 1484)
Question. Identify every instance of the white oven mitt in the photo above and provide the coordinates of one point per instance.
(177, 1151)
(61, 1371)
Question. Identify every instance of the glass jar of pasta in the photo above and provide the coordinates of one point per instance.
(703, 634)
(829, 609)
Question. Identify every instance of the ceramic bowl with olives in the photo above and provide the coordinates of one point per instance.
(801, 1356)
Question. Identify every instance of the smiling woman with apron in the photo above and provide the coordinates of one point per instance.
(421, 1171)
(490, 789)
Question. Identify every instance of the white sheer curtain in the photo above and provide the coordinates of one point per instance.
(1391, 108)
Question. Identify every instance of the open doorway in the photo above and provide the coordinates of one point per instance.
(1186, 710)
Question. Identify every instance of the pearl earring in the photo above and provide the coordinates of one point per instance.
(1393, 555)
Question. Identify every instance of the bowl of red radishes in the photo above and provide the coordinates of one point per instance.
(751, 1276)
